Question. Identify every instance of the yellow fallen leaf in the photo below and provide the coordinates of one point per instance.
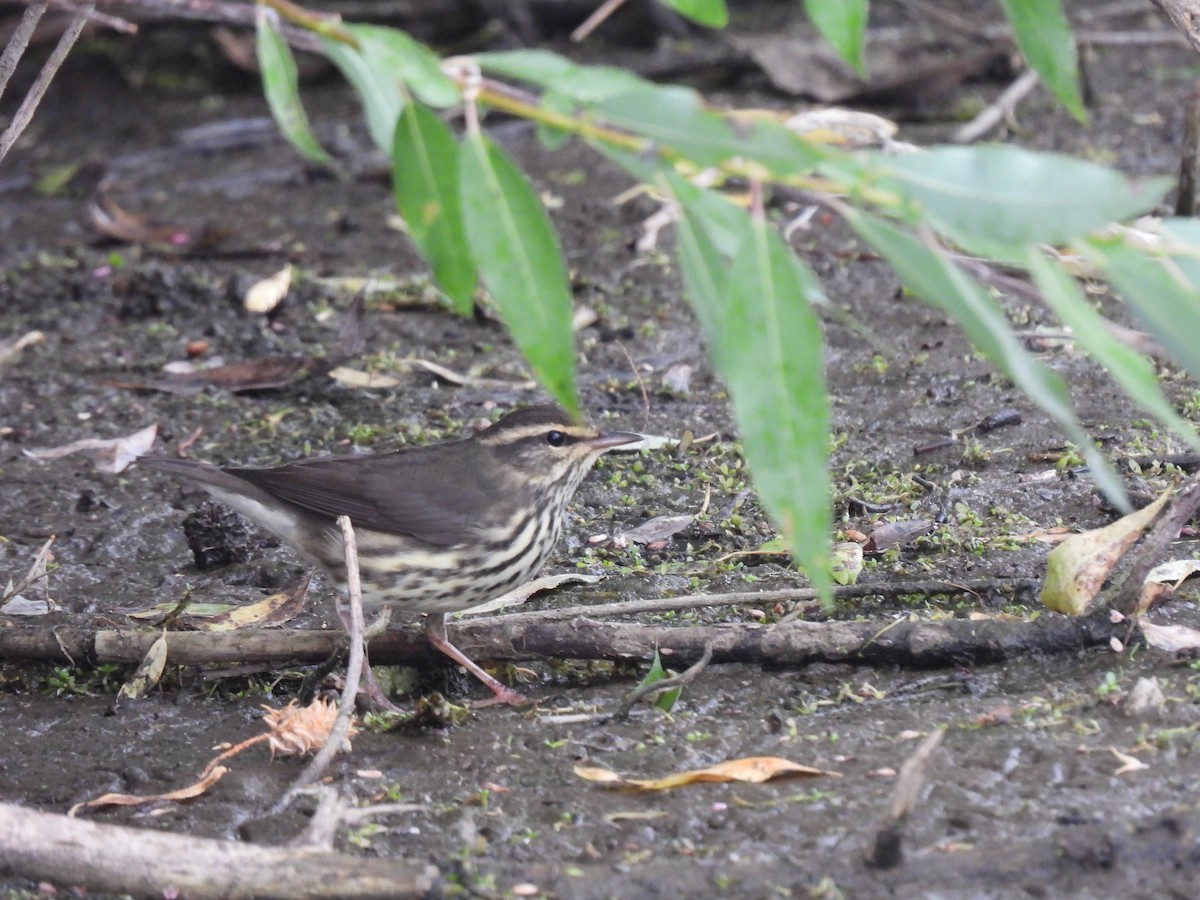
(271, 610)
(1076, 568)
(148, 673)
(750, 770)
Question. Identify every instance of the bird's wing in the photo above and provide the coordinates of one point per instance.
(438, 497)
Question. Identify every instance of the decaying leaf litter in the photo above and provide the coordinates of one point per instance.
(1035, 787)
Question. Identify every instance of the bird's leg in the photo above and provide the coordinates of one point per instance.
(435, 632)
(370, 687)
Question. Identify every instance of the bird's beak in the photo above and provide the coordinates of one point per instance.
(614, 439)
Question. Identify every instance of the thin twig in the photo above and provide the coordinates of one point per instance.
(18, 42)
(1124, 596)
(757, 598)
(1019, 287)
(337, 735)
(887, 851)
(999, 110)
(683, 679)
(596, 19)
(1185, 202)
(114, 22)
(25, 112)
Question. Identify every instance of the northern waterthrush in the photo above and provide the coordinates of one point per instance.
(440, 528)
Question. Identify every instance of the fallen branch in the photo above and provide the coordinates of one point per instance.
(900, 642)
(110, 858)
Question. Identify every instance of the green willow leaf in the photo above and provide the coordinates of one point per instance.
(1131, 370)
(766, 343)
(281, 84)
(381, 68)
(1044, 38)
(710, 13)
(1013, 197)
(1165, 301)
(381, 97)
(667, 700)
(844, 24)
(583, 84)
(676, 117)
(426, 182)
(705, 268)
(396, 56)
(926, 273)
(548, 136)
(514, 246)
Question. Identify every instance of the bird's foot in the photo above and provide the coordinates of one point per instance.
(435, 631)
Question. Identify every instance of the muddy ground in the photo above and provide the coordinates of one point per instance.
(1025, 796)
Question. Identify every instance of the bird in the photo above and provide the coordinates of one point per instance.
(441, 528)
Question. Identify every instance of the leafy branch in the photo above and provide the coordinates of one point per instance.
(475, 218)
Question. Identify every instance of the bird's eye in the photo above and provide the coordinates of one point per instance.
(556, 438)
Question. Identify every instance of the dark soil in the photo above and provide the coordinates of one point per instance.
(1024, 796)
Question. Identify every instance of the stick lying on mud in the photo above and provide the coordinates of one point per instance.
(38, 845)
(899, 642)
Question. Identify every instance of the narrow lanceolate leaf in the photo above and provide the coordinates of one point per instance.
(677, 119)
(515, 248)
(584, 84)
(425, 176)
(1131, 370)
(844, 24)
(707, 247)
(927, 273)
(1030, 198)
(281, 84)
(381, 96)
(711, 13)
(1162, 296)
(766, 343)
(1044, 38)
(385, 64)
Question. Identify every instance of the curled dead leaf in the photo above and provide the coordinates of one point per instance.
(1076, 568)
(749, 770)
(207, 780)
(112, 455)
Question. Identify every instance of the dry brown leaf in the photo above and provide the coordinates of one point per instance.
(660, 528)
(292, 731)
(896, 534)
(265, 373)
(273, 610)
(1164, 580)
(749, 770)
(185, 793)
(112, 455)
(1170, 638)
(148, 673)
(300, 730)
(114, 222)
